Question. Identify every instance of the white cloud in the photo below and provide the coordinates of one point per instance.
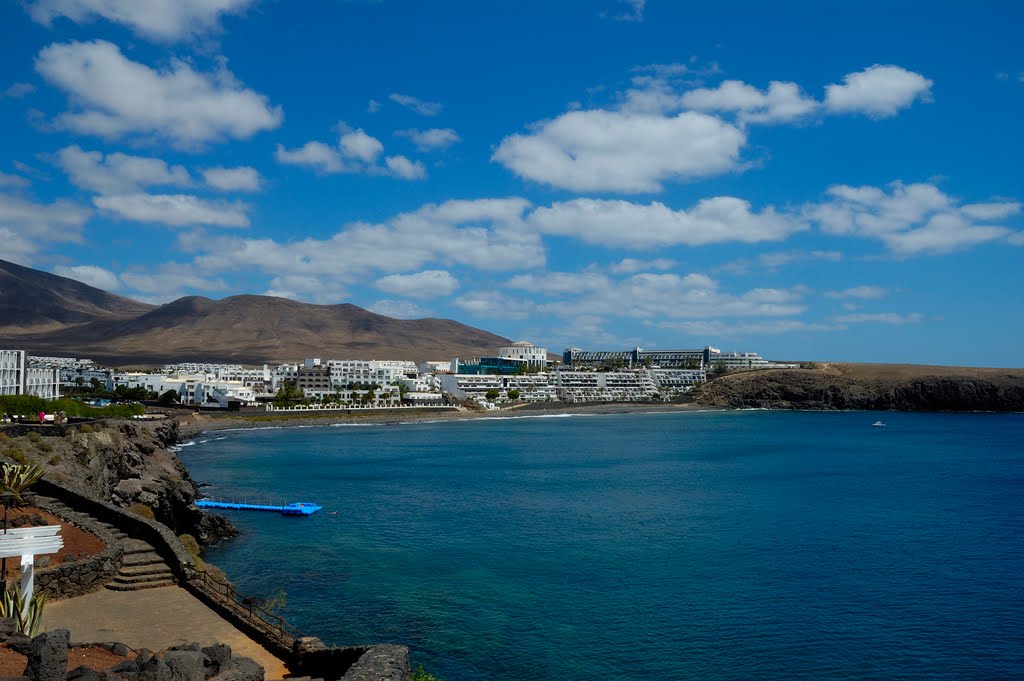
(601, 150)
(114, 97)
(357, 152)
(417, 105)
(240, 179)
(634, 13)
(880, 318)
(90, 274)
(401, 167)
(632, 265)
(373, 106)
(434, 139)
(176, 210)
(117, 173)
(654, 297)
(861, 292)
(27, 228)
(316, 155)
(398, 309)
(162, 20)
(168, 282)
(493, 305)
(911, 219)
(425, 284)
(781, 102)
(623, 224)
(878, 91)
(360, 146)
(716, 328)
(16, 181)
(18, 90)
(486, 234)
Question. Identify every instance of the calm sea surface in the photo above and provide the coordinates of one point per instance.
(741, 545)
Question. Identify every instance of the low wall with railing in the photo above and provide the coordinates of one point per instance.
(347, 663)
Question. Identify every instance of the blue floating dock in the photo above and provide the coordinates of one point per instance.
(295, 508)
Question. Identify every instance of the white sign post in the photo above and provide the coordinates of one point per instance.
(28, 542)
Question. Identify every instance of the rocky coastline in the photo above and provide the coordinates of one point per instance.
(869, 387)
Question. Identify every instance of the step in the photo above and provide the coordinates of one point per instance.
(150, 558)
(142, 579)
(134, 546)
(120, 586)
(137, 570)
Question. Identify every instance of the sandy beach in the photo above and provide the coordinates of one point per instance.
(193, 424)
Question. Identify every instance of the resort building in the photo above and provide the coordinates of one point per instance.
(604, 386)
(526, 352)
(18, 378)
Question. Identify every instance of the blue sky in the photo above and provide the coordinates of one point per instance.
(828, 181)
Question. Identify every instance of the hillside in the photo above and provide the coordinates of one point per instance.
(46, 314)
(34, 302)
(896, 387)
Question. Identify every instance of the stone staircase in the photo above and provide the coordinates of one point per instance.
(142, 566)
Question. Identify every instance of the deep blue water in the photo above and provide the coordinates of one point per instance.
(738, 545)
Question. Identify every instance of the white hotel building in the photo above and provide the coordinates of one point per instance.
(17, 378)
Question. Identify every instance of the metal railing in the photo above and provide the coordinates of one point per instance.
(250, 608)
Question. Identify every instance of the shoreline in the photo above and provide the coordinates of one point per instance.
(194, 425)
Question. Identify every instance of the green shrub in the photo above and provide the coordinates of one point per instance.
(421, 674)
(54, 460)
(143, 511)
(86, 428)
(34, 437)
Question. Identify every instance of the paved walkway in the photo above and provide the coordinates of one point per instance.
(154, 619)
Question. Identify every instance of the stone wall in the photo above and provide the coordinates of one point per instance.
(66, 580)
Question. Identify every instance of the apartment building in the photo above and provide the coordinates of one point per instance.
(18, 378)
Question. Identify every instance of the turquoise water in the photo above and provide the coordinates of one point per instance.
(737, 545)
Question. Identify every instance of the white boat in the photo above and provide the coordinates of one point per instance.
(878, 424)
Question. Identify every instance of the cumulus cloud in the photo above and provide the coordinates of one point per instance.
(425, 284)
(494, 305)
(860, 292)
(400, 166)
(485, 234)
(623, 224)
(18, 90)
(168, 282)
(315, 155)
(912, 219)
(398, 309)
(880, 318)
(27, 227)
(357, 152)
(879, 91)
(10, 180)
(239, 179)
(652, 297)
(419, 106)
(118, 173)
(634, 11)
(434, 139)
(162, 20)
(632, 265)
(175, 210)
(601, 150)
(114, 97)
(90, 274)
(781, 102)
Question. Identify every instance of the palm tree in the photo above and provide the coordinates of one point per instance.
(14, 480)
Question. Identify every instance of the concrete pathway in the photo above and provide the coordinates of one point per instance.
(154, 619)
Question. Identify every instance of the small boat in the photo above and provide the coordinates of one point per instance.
(878, 424)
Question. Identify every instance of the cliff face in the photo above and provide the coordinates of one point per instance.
(870, 387)
(125, 463)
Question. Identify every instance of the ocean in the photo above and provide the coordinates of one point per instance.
(698, 545)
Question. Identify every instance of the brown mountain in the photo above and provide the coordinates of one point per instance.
(245, 329)
(35, 302)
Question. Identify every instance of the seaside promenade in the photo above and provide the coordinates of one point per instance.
(155, 619)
